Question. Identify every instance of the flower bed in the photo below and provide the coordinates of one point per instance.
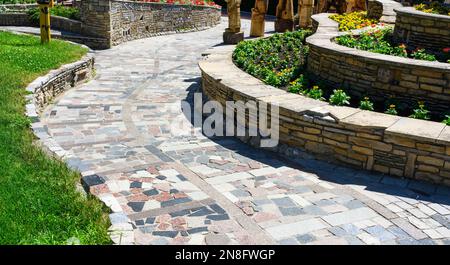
(380, 40)
(354, 20)
(279, 61)
(434, 8)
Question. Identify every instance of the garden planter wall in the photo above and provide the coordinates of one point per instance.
(119, 21)
(376, 75)
(420, 29)
(384, 143)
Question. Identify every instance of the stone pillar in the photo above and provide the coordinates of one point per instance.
(305, 11)
(258, 14)
(233, 33)
(285, 16)
(96, 18)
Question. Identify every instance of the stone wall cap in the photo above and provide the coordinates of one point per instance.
(415, 12)
(370, 119)
(420, 129)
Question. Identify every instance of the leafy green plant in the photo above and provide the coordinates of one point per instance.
(366, 104)
(391, 110)
(57, 10)
(316, 93)
(379, 40)
(339, 98)
(447, 120)
(421, 112)
(420, 54)
(298, 85)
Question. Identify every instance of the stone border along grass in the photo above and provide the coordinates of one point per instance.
(376, 75)
(45, 89)
(394, 145)
(420, 29)
(42, 92)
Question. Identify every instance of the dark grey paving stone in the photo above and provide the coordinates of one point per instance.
(179, 213)
(201, 212)
(160, 177)
(91, 180)
(172, 191)
(170, 234)
(197, 230)
(151, 192)
(291, 211)
(175, 201)
(240, 193)
(136, 185)
(215, 207)
(218, 217)
(139, 222)
(136, 206)
(150, 220)
(155, 151)
(181, 177)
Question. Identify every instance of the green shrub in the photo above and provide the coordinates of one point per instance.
(339, 98)
(277, 60)
(57, 10)
(315, 93)
(447, 120)
(391, 110)
(366, 104)
(421, 112)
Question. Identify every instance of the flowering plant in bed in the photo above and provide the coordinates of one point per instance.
(379, 40)
(354, 20)
(434, 7)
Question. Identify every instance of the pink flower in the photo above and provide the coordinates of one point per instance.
(446, 50)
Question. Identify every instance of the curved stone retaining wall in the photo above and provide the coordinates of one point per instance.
(376, 75)
(420, 29)
(44, 89)
(389, 144)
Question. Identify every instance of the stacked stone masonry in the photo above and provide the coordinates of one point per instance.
(379, 76)
(105, 23)
(394, 145)
(383, 10)
(45, 89)
(422, 30)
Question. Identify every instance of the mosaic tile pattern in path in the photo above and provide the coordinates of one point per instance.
(189, 189)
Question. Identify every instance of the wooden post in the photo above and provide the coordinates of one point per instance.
(44, 19)
(285, 16)
(258, 15)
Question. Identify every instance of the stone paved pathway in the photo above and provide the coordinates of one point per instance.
(166, 189)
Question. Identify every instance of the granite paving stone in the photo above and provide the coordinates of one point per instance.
(166, 186)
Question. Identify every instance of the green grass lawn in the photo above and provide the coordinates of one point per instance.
(38, 200)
